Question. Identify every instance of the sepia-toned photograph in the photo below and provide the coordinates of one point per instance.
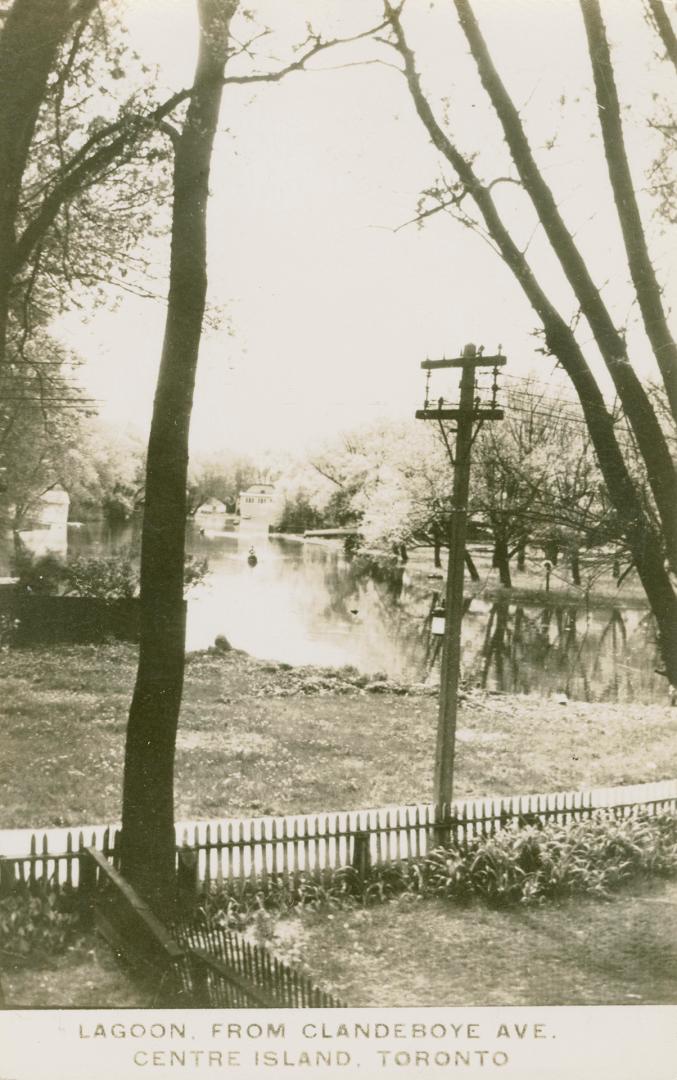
(338, 507)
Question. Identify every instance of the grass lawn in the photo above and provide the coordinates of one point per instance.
(84, 977)
(256, 737)
(434, 953)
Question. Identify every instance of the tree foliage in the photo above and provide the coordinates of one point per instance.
(44, 418)
(219, 476)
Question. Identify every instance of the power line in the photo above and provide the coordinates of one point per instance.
(566, 417)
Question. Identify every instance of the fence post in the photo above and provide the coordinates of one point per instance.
(443, 823)
(187, 878)
(86, 886)
(7, 876)
(199, 979)
(361, 862)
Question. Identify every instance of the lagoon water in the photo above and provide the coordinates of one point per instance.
(305, 604)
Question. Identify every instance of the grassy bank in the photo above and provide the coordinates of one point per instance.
(257, 737)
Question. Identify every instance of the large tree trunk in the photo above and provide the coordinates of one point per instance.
(643, 540)
(642, 272)
(664, 27)
(29, 47)
(148, 843)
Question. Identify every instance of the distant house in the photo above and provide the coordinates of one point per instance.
(210, 508)
(258, 503)
(51, 508)
(45, 525)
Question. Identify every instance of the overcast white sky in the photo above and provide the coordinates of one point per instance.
(330, 309)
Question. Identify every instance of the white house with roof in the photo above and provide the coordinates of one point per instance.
(258, 504)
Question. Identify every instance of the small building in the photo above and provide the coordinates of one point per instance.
(51, 508)
(44, 526)
(211, 508)
(258, 503)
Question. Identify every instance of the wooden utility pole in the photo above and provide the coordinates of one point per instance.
(467, 412)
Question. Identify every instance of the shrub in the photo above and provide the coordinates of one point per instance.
(195, 570)
(519, 865)
(110, 577)
(44, 574)
(36, 925)
(99, 577)
(297, 515)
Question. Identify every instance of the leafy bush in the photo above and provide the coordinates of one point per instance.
(43, 574)
(195, 570)
(110, 577)
(297, 515)
(36, 925)
(99, 577)
(519, 865)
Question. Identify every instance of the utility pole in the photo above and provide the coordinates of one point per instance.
(468, 412)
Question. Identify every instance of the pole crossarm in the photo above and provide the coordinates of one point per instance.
(465, 361)
(453, 412)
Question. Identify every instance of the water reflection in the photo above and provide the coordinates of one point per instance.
(603, 654)
(305, 604)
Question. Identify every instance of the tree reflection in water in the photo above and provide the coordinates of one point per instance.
(584, 653)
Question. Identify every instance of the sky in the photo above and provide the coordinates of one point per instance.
(330, 300)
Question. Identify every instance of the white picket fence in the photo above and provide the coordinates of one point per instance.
(250, 849)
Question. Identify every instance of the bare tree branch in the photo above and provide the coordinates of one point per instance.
(110, 142)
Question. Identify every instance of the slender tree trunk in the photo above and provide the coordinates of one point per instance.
(501, 561)
(551, 551)
(148, 843)
(575, 568)
(437, 547)
(642, 272)
(522, 556)
(470, 566)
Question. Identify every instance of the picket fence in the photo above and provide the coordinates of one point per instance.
(223, 970)
(188, 964)
(252, 850)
